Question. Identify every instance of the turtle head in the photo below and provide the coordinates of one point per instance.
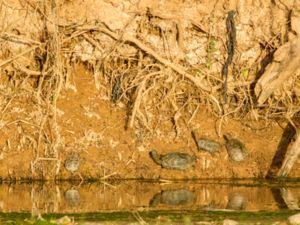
(153, 152)
(155, 200)
(227, 136)
(195, 134)
(155, 156)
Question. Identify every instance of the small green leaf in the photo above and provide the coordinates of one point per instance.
(211, 46)
(244, 72)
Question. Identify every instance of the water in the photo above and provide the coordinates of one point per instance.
(130, 200)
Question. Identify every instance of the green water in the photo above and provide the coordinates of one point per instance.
(153, 217)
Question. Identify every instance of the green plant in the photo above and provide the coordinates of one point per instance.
(211, 49)
(244, 72)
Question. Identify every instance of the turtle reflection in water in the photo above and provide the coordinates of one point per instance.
(205, 144)
(72, 197)
(236, 201)
(173, 197)
(173, 160)
(235, 148)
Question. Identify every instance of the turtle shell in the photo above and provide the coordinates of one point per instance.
(208, 145)
(72, 197)
(177, 160)
(173, 197)
(235, 148)
(72, 163)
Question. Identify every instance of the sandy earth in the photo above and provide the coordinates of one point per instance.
(95, 129)
(89, 124)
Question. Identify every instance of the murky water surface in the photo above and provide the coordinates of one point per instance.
(136, 196)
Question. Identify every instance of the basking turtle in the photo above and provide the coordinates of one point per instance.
(235, 148)
(72, 163)
(206, 144)
(173, 197)
(173, 160)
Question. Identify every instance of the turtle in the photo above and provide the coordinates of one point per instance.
(173, 160)
(235, 148)
(72, 163)
(206, 144)
(173, 197)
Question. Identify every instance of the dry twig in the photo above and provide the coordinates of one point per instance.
(128, 38)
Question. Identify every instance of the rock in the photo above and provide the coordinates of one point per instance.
(279, 223)
(92, 223)
(230, 222)
(64, 221)
(294, 219)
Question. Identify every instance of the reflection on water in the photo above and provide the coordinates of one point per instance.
(236, 201)
(132, 195)
(173, 197)
(72, 197)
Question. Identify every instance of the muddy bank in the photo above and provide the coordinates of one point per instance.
(94, 129)
(109, 87)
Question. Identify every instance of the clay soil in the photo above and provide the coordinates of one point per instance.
(81, 111)
(94, 128)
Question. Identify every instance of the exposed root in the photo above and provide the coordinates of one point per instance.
(130, 67)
